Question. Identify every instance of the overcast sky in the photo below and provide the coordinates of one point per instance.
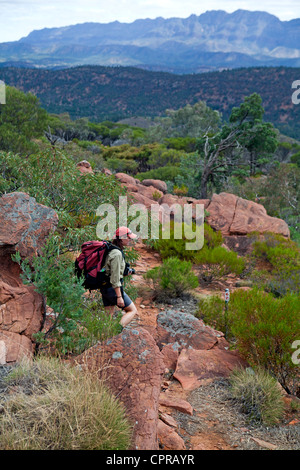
(19, 17)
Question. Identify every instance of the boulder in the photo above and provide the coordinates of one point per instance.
(158, 184)
(233, 215)
(147, 191)
(135, 370)
(252, 217)
(124, 178)
(85, 167)
(183, 330)
(25, 224)
(199, 367)
(169, 200)
(106, 171)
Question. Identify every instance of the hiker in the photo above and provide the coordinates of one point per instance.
(113, 294)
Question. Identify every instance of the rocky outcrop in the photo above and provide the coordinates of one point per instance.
(134, 363)
(24, 228)
(233, 215)
(200, 353)
(25, 224)
(183, 330)
(134, 371)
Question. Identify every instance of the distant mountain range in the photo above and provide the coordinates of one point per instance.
(212, 41)
(114, 93)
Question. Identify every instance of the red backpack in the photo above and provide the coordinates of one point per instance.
(90, 263)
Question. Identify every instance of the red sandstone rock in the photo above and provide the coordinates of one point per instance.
(168, 438)
(148, 191)
(25, 224)
(168, 419)
(177, 404)
(21, 309)
(24, 227)
(106, 171)
(84, 167)
(183, 330)
(158, 184)
(170, 355)
(196, 367)
(233, 215)
(135, 369)
(124, 178)
(13, 347)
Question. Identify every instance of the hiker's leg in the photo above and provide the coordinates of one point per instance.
(129, 314)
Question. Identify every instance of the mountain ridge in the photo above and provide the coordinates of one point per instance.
(262, 38)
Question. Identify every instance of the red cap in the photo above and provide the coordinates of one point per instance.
(123, 232)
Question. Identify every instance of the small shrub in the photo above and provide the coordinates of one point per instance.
(172, 279)
(53, 406)
(212, 238)
(283, 255)
(261, 326)
(177, 247)
(156, 195)
(211, 310)
(265, 328)
(180, 190)
(218, 262)
(259, 395)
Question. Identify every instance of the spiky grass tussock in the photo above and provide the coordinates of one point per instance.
(53, 406)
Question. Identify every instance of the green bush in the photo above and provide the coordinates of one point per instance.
(77, 322)
(53, 406)
(217, 263)
(265, 328)
(284, 258)
(177, 247)
(53, 179)
(122, 165)
(166, 173)
(211, 310)
(261, 326)
(172, 279)
(258, 394)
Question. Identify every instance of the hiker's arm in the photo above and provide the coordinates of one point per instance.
(115, 270)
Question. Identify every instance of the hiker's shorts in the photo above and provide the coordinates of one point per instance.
(109, 297)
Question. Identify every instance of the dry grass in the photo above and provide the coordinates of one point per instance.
(53, 406)
(259, 395)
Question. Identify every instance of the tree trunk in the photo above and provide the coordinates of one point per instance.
(203, 185)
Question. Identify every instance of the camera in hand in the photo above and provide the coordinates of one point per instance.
(128, 270)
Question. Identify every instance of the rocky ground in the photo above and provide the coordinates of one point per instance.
(205, 418)
(216, 423)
